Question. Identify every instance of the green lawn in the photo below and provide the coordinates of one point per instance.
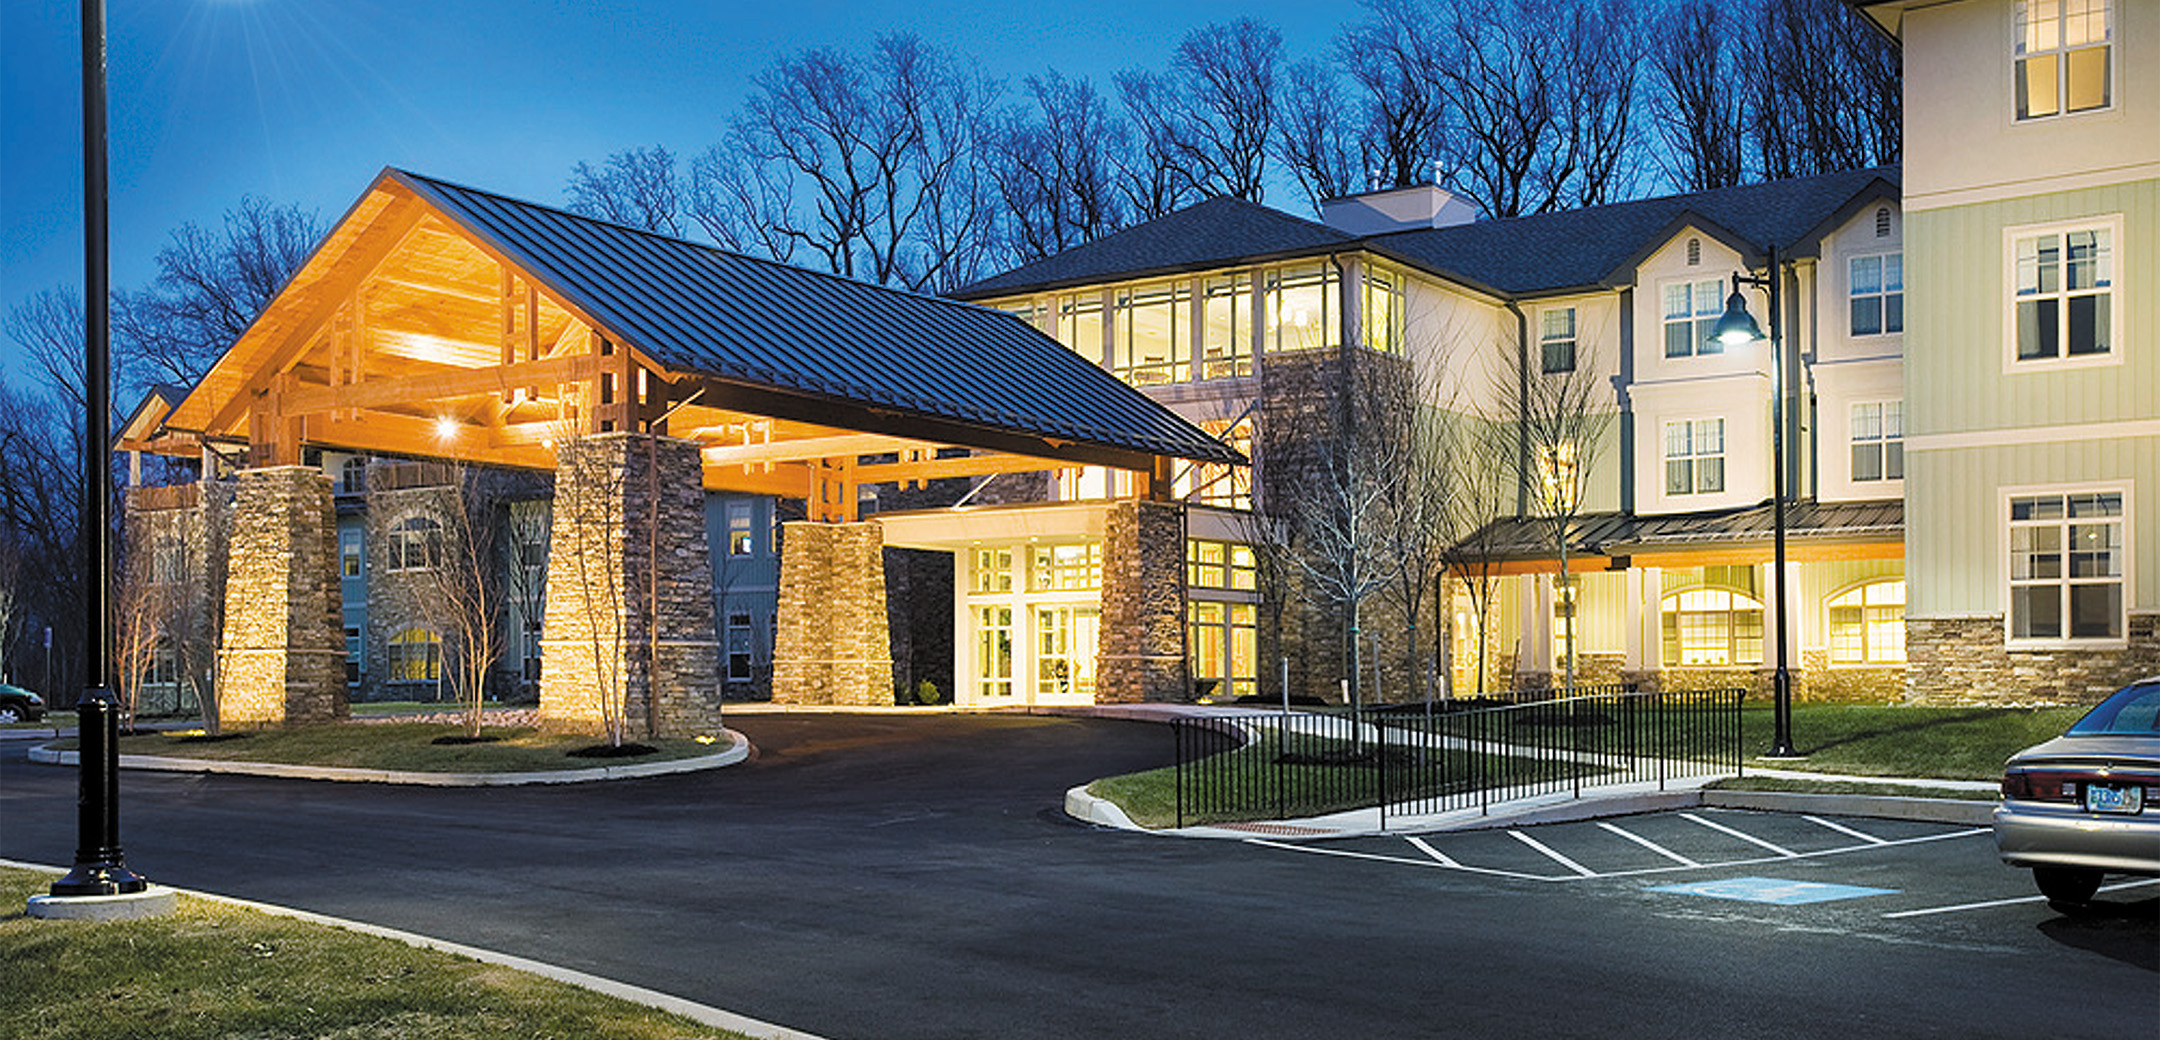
(1779, 783)
(211, 970)
(1888, 740)
(368, 708)
(399, 746)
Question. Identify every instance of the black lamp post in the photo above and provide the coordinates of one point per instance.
(1735, 328)
(100, 869)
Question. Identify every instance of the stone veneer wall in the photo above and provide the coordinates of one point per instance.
(1958, 661)
(398, 600)
(281, 655)
(834, 647)
(629, 630)
(1142, 653)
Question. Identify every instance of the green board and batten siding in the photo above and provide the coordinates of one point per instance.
(1955, 384)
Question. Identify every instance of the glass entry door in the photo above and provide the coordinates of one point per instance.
(1065, 643)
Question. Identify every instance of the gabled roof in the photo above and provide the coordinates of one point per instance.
(1212, 233)
(1588, 248)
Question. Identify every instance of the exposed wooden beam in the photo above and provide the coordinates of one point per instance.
(464, 383)
(787, 480)
(805, 448)
(940, 469)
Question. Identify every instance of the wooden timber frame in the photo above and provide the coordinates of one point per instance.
(408, 334)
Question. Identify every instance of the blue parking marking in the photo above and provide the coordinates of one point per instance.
(1777, 891)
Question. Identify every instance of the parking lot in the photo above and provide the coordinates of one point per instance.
(902, 877)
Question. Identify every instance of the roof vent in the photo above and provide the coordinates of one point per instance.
(1397, 209)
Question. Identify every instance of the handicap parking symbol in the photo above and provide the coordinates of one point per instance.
(1777, 891)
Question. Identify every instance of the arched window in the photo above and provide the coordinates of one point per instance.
(1712, 626)
(1867, 624)
(414, 655)
(1694, 251)
(415, 544)
(352, 478)
(168, 561)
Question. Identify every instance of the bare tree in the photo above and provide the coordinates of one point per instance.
(48, 325)
(526, 524)
(209, 288)
(469, 587)
(10, 601)
(138, 612)
(1561, 418)
(1418, 520)
(1226, 100)
(637, 187)
(1392, 57)
(1696, 100)
(1485, 483)
(1312, 138)
(1823, 89)
(1054, 164)
(1152, 178)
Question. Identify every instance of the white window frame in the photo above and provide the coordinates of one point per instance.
(1547, 338)
(1695, 456)
(1871, 656)
(403, 536)
(1699, 321)
(2112, 223)
(1882, 293)
(2061, 51)
(1882, 441)
(741, 537)
(2129, 563)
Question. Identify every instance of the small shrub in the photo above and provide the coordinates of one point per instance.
(927, 692)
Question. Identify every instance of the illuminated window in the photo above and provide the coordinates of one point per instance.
(740, 542)
(1031, 311)
(1695, 457)
(413, 655)
(1559, 484)
(1066, 639)
(1301, 308)
(1221, 484)
(993, 570)
(1563, 615)
(1691, 310)
(1151, 334)
(1382, 318)
(1079, 324)
(1712, 627)
(1224, 642)
(994, 651)
(350, 550)
(416, 543)
(1093, 483)
(1878, 441)
(1065, 568)
(1876, 292)
(1220, 565)
(2066, 566)
(1867, 624)
(2063, 295)
(1226, 327)
(2061, 56)
(1556, 339)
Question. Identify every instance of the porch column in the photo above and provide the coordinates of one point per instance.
(628, 640)
(281, 653)
(834, 644)
(1142, 653)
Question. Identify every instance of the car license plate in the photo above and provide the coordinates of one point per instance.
(2114, 798)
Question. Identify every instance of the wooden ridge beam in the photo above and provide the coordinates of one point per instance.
(803, 449)
(435, 386)
(970, 466)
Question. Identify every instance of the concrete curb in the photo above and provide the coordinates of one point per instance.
(700, 1013)
(1085, 807)
(1924, 810)
(738, 749)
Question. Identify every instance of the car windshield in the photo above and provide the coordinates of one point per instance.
(2133, 710)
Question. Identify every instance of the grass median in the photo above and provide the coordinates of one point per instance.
(215, 970)
(1892, 740)
(402, 746)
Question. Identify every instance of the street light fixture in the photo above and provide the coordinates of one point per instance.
(1737, 328)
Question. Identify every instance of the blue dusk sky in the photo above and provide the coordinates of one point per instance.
(303, 101)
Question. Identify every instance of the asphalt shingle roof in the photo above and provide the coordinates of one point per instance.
(694, 308)
(1514, 256)
(1218, 231)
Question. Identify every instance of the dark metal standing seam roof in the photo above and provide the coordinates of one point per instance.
(697, 309)
(1806, 520)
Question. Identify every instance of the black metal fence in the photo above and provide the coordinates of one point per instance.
(1420, 759)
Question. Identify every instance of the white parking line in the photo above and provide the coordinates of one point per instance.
(1437, 855)
(1742, 835)
(1651, 845)
(1842, 829)
(1924, 911)
(1554, 856)
(1350, 854)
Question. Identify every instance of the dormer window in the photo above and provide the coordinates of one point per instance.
(2062, 56)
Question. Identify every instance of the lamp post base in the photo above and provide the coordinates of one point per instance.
(149, 901)
(99, 879)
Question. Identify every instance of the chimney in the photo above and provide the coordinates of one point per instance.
(1397, 209)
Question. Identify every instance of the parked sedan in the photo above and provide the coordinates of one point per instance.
(2088, 802)
(19, 705)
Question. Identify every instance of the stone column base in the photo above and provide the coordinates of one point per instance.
(281, 654)
(834, 644)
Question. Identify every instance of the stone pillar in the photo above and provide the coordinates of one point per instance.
(281, 655)
(628, 640)
(1142, 654)
(834, 644)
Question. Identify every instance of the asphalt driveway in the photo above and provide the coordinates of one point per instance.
(881, 876)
